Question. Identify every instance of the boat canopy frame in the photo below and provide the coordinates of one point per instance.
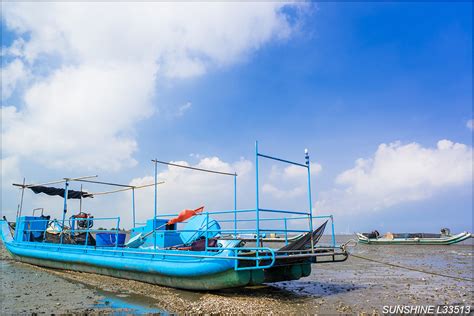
(66, 181)
(261, 253)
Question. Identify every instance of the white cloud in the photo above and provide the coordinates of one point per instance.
(16, 49)
(13, 74)
(10, 171)
(470, 124)
(9, 115)
(95, 67)
(289, 182)
(75, 118)
(183, 108)
(284, 194)
(174, 34)
(293, 171)
(400, 173)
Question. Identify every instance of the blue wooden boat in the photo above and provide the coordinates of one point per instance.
(202, 253)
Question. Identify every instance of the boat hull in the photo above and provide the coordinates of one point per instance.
(189, 270)
(197, 280)
(414, 241)
(226, 279)
(167, 269)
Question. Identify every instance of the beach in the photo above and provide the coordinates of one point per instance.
(353, 286)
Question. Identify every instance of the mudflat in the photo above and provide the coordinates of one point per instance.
(354, 286)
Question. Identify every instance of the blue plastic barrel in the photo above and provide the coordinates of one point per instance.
(109, 239)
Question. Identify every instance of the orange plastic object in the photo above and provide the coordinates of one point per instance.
(184, 215)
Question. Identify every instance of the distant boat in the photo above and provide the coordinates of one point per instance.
(444, 238)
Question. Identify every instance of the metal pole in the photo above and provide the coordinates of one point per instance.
(80, 201)
(286, 232)
(66, 184)
(309, 199)
(207, 230)
(45, 229)
(133, 206)
(57, 181)
(256, 195)
(125, 189)
(117, 233)
(333, 236)
(193, 168)
(18, 212)
(101, 182)
(156, 203)
(21, 200)
(87, 231)
(235, 205)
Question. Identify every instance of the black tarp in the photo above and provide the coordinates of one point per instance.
(305, 241)
(71, 194)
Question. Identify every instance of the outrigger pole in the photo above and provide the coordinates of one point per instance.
(193, 168)
(53, 182)
(106, 183)
(126, 189)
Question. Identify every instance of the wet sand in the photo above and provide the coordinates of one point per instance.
(354, 286)
(27, 289)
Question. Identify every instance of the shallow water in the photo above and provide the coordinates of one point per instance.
(356, 285)
(124, 304)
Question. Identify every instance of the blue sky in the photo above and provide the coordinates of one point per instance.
(349, 77)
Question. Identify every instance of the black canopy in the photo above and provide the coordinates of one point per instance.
(71, 194)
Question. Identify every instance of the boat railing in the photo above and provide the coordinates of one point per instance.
(261, 253)
(234, 222)
(236, 230)
(245, 258)
(239, 211)
(256, 257)
(285, 220)
(258, 231)
(88, 230)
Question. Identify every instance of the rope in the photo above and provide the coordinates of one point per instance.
(413, 269)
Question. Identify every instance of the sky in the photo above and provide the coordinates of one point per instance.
(379, 93)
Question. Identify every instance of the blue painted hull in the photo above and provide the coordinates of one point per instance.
(167, 268)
